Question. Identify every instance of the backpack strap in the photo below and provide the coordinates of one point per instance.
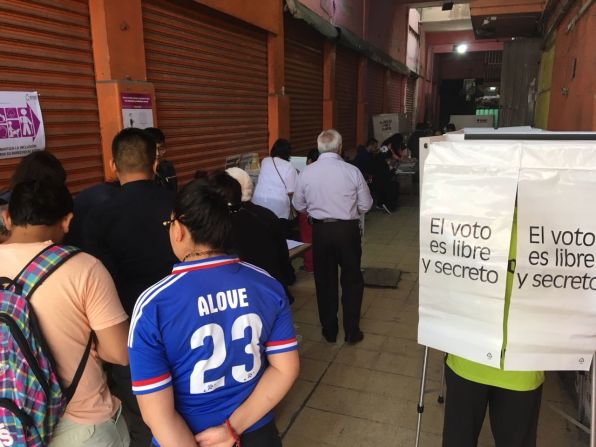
(69, 392)
(30, 278)
(42, 266)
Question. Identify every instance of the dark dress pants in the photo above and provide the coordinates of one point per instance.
(513, 414)
(335, 245)
(266, 436)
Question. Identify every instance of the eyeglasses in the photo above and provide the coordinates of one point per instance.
(167, 223)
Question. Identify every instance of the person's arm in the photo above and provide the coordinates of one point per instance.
(273, 385)
(298, 199)
(364, 199)
(106, 316)
(160, 415)
(150, 371)
(111, 344)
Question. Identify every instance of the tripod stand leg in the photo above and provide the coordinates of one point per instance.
(441, 397)
(420, 407)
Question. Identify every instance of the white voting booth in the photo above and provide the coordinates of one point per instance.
(472, 182)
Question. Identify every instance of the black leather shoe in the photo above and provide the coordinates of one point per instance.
(354, 337)
(330, 338)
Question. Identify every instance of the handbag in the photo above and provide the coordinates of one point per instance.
(293, 213)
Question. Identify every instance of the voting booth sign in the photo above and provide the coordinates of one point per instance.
(552, 318)
(470, 191)
(465, 228)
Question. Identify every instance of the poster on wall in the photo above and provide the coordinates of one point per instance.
(21, 124)
(552, 318)
(137, 110)
(466, 213)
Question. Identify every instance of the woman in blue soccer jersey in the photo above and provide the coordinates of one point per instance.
(212, 346)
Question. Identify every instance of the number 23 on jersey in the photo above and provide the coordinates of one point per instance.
(198, 385)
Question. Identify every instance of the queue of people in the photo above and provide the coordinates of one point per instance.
(170, 321)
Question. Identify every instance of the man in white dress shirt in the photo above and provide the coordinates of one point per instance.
(335, 194)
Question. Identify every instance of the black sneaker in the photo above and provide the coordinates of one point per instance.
(355, 337)
(328, 337)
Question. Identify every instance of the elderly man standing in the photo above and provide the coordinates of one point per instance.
(334, 194)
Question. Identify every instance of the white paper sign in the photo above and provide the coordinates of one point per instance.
(21, 124)
(552, 318)
(466, 214)
(137, 110)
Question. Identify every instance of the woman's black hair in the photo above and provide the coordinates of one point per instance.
(43, 202)
(205, 212)
(227, 186)
(313, 155)
(281, 149)
(40, 166)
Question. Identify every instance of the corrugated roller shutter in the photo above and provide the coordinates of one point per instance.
(346, 94)
(45, 46)
(304, 84)
(210, 78)
(375, 88)
(410, 96)
(396, 93)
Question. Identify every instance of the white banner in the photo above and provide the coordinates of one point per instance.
(21, 124)
(466, 214)
(552, 318)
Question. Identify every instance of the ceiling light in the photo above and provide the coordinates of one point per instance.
(447, 6)
(493, 88)
(461, 48)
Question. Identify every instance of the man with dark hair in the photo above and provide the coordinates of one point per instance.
(77, 299)
(165, 174)
(38, 165)
(126, 233)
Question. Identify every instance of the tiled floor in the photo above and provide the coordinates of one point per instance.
(366, 395)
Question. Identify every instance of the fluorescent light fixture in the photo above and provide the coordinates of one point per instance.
(461, 48)
(447, 6)
(492, 88)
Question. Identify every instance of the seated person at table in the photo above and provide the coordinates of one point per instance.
(212, 346)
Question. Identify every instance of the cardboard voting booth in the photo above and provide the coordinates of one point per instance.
(387, 124)
(469, 194)
(477, 188)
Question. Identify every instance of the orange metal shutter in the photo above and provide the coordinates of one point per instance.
(396, 93)
(410, 94)
(375, 92)
(304, 84)
(346, 94)
(210, 76)
(45, 46)
(375, 88)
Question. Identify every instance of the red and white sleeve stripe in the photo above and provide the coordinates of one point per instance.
(281, 345)
(140, 386)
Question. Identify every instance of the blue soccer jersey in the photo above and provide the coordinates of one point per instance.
(206, 330)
